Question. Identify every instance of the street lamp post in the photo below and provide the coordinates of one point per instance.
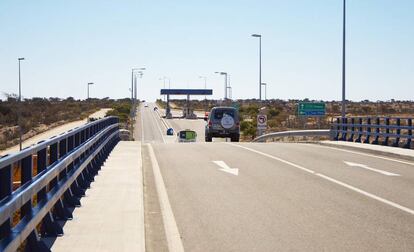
(225, 83)
(265, 85)
(133, 102)
(343, 60)
(229, 88)
(90, 83)
(132, 80)
(169, 83)
(205, 83)
(140, 73)
(205, 87)
(20, 109)
(163, 80)
(260, 63)
(87, 99)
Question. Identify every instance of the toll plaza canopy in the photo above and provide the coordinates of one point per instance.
(187, 111)
(186, 91)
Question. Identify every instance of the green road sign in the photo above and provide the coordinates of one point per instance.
(235, 105)
(311, 109)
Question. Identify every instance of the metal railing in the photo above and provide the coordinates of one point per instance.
(387, 131)
(39, 184)
(293, 133)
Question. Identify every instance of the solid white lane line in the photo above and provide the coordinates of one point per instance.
(403, 208)
(371, 169)
(158, 126)
(275, 158)
(364, 154)
(170, 225)
(142, 125)
(355, 189)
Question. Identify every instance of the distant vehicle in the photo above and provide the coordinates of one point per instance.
(155, 108)
(146, 105)
(223, 122)
(170, 131)
(185, 136)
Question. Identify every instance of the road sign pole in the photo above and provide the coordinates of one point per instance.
(343, 61)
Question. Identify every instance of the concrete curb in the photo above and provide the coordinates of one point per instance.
(368, 150)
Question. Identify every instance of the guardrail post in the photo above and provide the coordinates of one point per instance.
(26, 176)
(344, 128)
(397, 139)
(6, 188)
(368, 130)
(351, 137)
(50, 227)
(53, 156)
(377, 130)
(63, 147)
(410, 133)
(360, 131)
(387, 132)
(34, 244)
(70, 199)
(70, 143)
(41, 166)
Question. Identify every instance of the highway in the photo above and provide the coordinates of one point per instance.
(226, 196)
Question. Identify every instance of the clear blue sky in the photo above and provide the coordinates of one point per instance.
(69, 43)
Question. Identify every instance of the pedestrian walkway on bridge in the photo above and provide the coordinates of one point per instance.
(111, 217)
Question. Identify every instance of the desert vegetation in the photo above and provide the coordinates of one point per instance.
(40, 114)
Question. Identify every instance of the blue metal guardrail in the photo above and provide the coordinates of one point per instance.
(294, 133)
(54, 174)
(387, 131)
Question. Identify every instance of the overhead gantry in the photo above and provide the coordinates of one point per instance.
(187, 111)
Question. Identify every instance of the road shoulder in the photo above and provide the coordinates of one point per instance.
(392, 152)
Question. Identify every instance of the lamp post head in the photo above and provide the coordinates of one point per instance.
(20, 58)
(256, 35)
(91, 83)
(138, 69)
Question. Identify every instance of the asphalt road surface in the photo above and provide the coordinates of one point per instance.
(275, 196)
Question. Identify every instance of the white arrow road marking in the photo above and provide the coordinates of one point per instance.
(371, 169)
(226, 168)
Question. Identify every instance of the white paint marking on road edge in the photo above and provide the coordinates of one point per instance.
(158, 126)
(142, 126)
(275, 158)
(226, 168)
(170, 225)
(372, 196)
(371, 169)
(355, 189)
(363, 154)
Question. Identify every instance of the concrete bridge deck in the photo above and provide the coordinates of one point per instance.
(111, 217)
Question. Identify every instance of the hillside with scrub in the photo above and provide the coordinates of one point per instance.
(41, 114)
